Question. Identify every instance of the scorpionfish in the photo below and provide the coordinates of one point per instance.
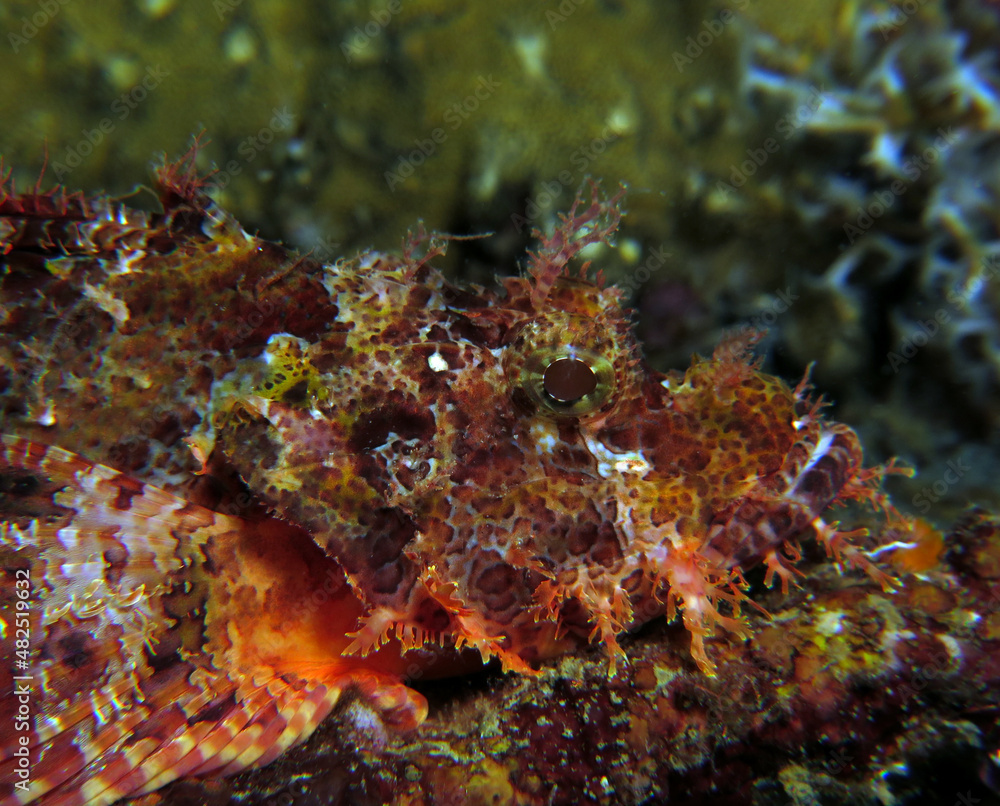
(240, 487)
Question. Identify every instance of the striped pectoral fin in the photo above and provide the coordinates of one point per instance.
(165, 640)
(93, 742)
(229, 736)
(122, 694)
(239, 733)
(254, 728)
(233, 733)
(105, 771)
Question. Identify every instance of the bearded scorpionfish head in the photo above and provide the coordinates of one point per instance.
(503, 471)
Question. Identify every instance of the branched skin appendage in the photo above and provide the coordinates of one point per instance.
(341, 477)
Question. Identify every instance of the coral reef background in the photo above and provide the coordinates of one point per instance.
(829, 170)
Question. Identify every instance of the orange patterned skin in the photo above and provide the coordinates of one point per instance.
(330, 479)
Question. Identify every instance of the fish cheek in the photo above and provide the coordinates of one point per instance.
(377, 560)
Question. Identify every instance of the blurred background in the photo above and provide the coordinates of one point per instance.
(829, 170)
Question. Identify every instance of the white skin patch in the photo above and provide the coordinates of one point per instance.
(611, 464)
(544, 434)
(436, 362)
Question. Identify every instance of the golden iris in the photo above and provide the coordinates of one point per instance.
(568, 381)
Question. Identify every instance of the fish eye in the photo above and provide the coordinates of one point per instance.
(564, 365)
(568, 381)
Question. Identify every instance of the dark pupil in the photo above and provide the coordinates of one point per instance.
(568, 379)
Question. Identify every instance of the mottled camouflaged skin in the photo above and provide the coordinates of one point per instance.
(402, 450)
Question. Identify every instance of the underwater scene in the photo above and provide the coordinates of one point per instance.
(441, 403)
